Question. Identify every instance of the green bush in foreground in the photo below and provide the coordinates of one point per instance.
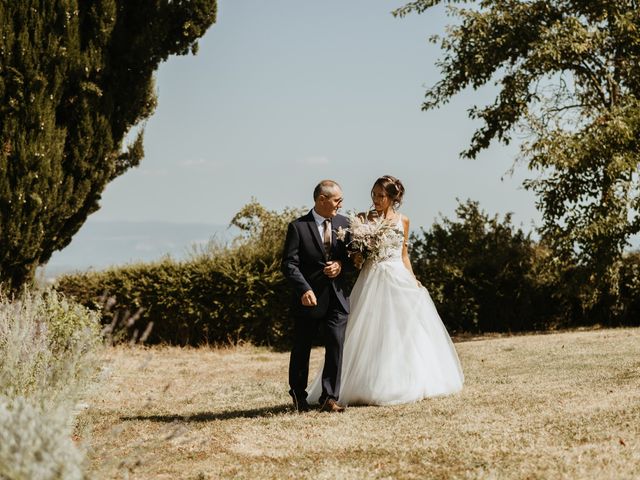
(49, 349)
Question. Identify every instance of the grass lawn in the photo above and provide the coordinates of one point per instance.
(563, 405)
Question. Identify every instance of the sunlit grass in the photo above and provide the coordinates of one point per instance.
(542, 406)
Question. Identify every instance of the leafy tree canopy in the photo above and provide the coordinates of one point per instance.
(567, 73)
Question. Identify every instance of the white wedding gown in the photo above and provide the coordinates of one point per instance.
(396, 348)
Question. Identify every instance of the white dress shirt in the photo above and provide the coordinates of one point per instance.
(320, 223)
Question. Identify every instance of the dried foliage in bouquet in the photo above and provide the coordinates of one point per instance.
(375, 239)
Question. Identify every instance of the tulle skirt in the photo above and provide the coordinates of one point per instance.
(396, 348)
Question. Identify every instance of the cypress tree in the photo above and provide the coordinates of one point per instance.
(75, 77)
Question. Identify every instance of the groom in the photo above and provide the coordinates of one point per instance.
(314, 261)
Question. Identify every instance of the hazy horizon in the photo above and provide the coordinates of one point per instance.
(103, 243)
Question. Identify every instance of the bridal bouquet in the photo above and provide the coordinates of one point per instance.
(375, 239)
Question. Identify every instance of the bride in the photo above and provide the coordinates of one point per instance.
(396, 348)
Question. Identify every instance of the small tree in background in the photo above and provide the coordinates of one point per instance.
(482, 273)
(75, 77)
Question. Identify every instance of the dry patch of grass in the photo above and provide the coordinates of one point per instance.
(554, 406)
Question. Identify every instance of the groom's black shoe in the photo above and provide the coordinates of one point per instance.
(330, 405)
(300, 403)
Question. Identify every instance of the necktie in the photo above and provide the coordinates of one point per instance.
(326, 238)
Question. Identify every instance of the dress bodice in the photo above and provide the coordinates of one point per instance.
(393, 251)
(397, 251)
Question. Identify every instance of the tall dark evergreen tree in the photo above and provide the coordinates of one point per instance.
(75, 77)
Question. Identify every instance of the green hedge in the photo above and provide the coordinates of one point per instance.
(484, 275)
(206, 300)
(219, 295)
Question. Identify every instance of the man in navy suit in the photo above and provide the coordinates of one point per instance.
(314, 261)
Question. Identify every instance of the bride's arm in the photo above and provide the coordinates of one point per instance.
(405, 245)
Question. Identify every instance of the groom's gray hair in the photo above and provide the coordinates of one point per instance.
(325, 187)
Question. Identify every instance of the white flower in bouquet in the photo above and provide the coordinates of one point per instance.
(374, 239)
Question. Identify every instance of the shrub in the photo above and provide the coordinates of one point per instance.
(71, 326)
(220, 294)
(622, 309)
(49, 348)
(35, 442)
(482, 273)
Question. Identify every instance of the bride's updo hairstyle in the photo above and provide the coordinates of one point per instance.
(392, 187)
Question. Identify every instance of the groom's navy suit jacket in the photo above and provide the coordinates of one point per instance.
(304, 259)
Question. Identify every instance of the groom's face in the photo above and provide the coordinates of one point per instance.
(328, 206)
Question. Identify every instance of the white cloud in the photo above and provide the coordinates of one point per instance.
(199, 163)
(314, 160)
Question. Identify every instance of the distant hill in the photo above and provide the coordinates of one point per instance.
(100, 244)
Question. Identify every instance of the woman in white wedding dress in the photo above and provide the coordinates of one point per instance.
(396, 348)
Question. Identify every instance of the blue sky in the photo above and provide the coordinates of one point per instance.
(287, 92)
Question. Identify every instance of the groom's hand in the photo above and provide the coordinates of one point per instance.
(309, 299)
(333, 268)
